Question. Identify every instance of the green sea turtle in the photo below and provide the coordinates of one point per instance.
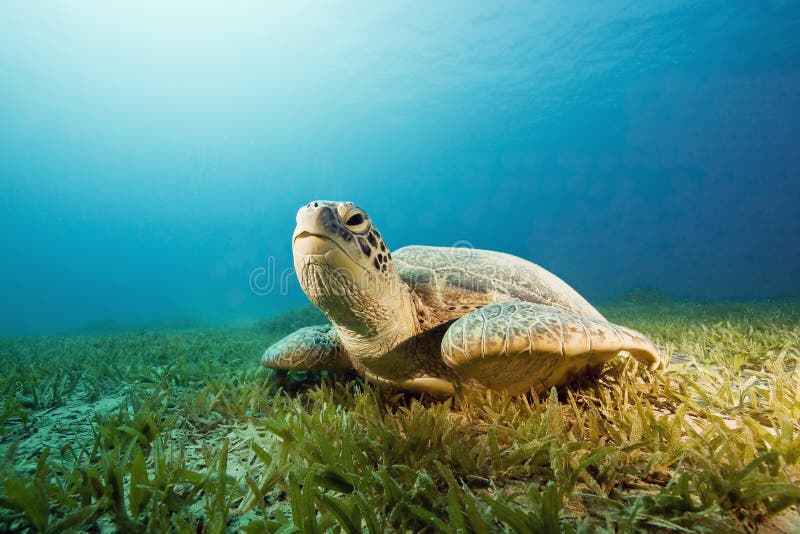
(438, 319)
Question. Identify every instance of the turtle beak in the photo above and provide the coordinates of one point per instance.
(300, 235)
(308, 219)
(312, 235)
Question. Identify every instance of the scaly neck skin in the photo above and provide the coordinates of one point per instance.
(371, 317)
(370, 337)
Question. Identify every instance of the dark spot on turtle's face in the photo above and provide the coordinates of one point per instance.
(365, 248)
(346, 235)
(372, 240)
(383, 246)
(376, 263)
(383, 268)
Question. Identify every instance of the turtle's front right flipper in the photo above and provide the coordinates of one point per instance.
(314, 348)
(515, 346)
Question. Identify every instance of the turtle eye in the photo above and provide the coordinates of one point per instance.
(355, 220)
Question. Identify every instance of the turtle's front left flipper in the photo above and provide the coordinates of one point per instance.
(515, 346)
(314, 348)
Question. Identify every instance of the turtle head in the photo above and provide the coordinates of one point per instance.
(344, 266)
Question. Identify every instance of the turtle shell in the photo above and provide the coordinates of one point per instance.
(449, 282)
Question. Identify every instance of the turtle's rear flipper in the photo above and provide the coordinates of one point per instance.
(314, 348)
(515, 346)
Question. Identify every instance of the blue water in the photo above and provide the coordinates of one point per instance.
(152, 157)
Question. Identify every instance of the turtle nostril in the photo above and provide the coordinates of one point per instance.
(316, 204)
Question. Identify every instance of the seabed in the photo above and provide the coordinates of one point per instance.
(182, 430)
